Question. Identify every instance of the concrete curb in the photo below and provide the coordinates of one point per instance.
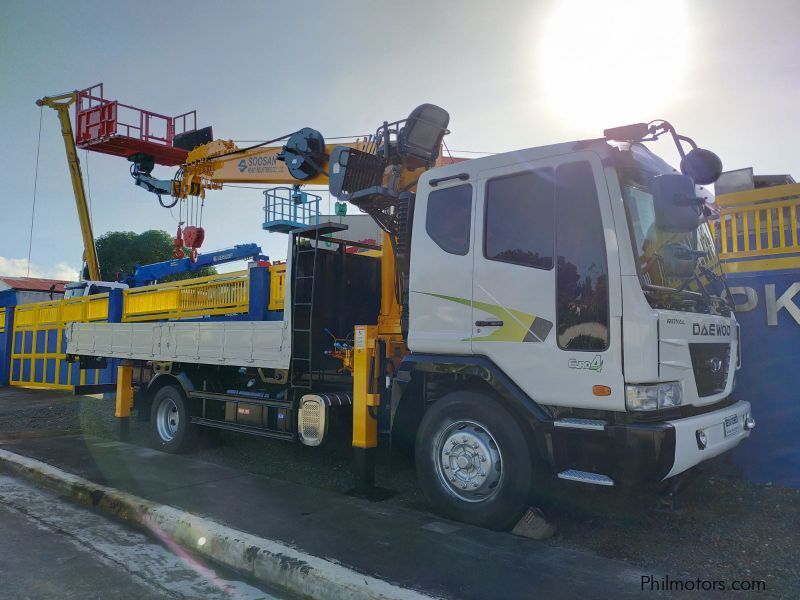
(266, 560)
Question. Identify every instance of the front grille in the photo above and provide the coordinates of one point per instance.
(710, 363)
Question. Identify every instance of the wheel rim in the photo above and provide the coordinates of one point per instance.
(168, 420)
(468, 461)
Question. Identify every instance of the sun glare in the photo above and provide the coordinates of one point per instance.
(607, 63)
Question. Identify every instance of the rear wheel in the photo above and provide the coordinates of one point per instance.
(473, 461)
(170, 429)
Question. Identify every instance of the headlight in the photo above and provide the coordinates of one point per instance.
(670, 394)
(653, 396)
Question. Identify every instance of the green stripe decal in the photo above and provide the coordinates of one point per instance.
(517, 326)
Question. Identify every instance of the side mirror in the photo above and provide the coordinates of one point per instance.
(677, 207)
(703, 166)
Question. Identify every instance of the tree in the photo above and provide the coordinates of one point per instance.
(121, 251)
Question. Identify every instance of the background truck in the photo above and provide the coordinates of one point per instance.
(557, 310)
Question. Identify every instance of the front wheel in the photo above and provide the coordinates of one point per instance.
(473, 462)
(170, 429)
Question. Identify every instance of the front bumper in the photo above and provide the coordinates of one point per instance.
(646, 451)
(687, 449)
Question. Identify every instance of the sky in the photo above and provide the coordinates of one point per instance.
(512, 74)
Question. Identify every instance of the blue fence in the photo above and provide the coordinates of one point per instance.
(769, 318)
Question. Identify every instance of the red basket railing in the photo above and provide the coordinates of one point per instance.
(112, 127)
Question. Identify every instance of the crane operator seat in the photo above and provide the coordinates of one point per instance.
(420, 138)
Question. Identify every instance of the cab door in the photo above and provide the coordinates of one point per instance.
(541, 301)
(440, 298)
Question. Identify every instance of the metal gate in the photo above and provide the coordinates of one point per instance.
(34, 345)
(759, 241)
(38, 345)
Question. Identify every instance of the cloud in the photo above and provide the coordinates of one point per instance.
(18, 267)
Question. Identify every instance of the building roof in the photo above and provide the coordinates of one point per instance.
(33, 284)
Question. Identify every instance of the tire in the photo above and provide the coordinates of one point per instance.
(170, 430)
(462, 433)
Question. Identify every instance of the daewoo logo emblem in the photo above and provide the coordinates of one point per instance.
(714, 364)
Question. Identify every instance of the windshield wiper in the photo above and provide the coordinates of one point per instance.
(728, 300)
(688, 280)
(681, 252)
(686, 296)
(649, 287)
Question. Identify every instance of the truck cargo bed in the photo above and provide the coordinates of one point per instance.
(239, 343)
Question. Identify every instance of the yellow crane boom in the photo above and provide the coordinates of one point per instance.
(213, 164)
(376, 175)
(61, 105)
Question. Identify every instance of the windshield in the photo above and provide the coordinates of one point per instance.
(678, 270)
(74, 291)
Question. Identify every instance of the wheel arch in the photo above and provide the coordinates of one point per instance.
(415, 368)
(161, 380)
(180, 379)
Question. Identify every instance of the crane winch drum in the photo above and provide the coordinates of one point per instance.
(304, 153)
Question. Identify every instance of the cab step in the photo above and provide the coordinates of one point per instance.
(576, 423)
(242, 428)
(586, 477)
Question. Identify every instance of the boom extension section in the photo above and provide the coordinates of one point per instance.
(302, 160)
(61, 104)
(149, 274)
(370, 173)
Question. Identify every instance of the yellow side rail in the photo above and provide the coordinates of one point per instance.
(204, 296)
(59, 312)
(277, 286)
(37, 357)
(758, 229)
(38, 343)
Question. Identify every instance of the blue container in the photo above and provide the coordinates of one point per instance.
(768, 311)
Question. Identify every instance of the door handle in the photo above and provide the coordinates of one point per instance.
(488, 323)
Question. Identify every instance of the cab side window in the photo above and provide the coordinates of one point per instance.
(581, 266)
(519, 219)
(449, 218)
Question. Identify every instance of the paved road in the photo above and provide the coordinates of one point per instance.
(53, 549)
(698, 538)
(401, 546)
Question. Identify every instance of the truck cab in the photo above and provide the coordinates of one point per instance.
(79, 289)
(557, 310)
(545, 284)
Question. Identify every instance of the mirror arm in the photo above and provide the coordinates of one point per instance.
(666, 127)
(689, 201)
(677, 138)
(688, 140)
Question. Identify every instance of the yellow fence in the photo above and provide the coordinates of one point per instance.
(203, 296)
(758, 229)
(277, 286)
(37, 354)
(38, 345)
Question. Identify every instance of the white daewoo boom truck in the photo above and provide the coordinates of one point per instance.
(556, 311)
